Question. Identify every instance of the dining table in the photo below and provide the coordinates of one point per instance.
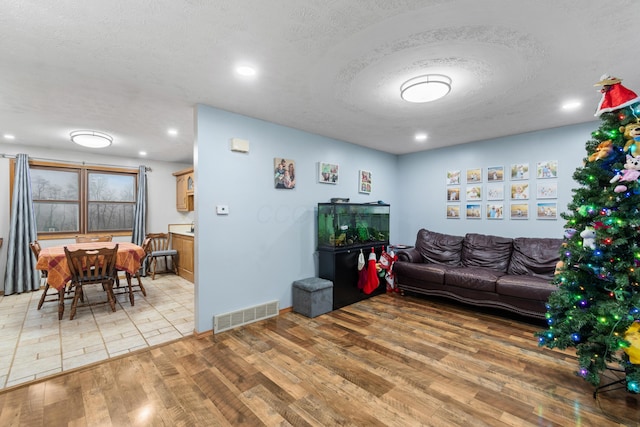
(53, 259)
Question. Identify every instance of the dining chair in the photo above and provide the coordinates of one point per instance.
(159, 246)
(91, 267)
(49, 294)
(131, 288)
(100, 238)
(90, 239)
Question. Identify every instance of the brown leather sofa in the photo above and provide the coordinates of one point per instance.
(483, 270)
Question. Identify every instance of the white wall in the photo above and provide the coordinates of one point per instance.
(161, 189)
(422, 183)
(268, 240)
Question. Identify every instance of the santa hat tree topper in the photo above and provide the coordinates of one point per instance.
(614, 95)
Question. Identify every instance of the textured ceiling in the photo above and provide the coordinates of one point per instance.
(134, 69)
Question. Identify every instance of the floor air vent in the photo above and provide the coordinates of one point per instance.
(224, 322)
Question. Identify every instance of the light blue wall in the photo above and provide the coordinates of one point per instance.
(268, 240)
(422, 181)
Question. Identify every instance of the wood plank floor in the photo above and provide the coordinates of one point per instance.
(387, 361)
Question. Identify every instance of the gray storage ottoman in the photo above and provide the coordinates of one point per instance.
(313, 296)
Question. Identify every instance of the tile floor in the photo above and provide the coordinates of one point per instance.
(34, 344)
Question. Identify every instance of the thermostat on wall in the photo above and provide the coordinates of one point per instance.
(222, 210)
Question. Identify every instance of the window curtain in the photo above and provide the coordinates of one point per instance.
(21, 275)
(140, 213)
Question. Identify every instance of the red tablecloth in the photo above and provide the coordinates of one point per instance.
(53, 260)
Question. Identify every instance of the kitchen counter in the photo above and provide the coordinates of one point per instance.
(182, 241)
(182, 229)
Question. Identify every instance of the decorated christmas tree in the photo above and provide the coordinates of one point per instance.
(596, 308)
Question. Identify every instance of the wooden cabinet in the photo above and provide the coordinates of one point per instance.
(184, 245)
(185, 185)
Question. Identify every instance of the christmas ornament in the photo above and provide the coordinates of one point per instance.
(588, 237)
(631, 133)
(569, 232)
(631, 172)
(614, 95)
(603, 150)
(633, 336)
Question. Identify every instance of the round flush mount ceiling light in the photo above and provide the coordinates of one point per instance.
(426, 88)
(91, 138)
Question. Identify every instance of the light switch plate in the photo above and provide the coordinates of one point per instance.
(222, 210)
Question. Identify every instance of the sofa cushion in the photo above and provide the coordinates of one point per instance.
(535, 256)
(477, 278)
(432, 273)
(439, 248)
(525, 286)
(481, 250)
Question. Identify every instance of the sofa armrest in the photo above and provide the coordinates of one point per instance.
(409, 255)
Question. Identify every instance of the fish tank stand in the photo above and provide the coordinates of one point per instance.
(344, 229)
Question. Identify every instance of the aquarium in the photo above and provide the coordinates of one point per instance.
(343, 225)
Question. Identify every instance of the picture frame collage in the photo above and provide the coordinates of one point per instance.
(328, 173)
(488, 194)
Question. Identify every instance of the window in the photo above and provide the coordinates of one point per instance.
(56, 199)
(111, 201)
(78, 199)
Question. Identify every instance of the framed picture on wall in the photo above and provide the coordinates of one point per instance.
(453, 177)
(520, 191)
(474, 192)
(495, 211)
(519, 211)
(547, 210)
(474, 175)
(547, 190)
(284, 173)
(328, 173)
(453, 211)
(474, 211)
(547, 169)
(519, 171)
(364, 182)
(495, 174)
(453, 194)
(495, 191)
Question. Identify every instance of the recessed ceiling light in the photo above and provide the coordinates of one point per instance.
(143, 153)
(9, 136)
(420, 137)
(571, 105)
(246, 71)
(172, 132)
(91, 138)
